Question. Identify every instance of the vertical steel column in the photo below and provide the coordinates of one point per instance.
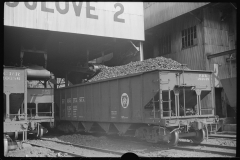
(154, 108)
(103, 57)
(198, 92)
(212, 81)
(66, 80)
(141, 51)
(183, 91)
(87, 57)
(45, 58)
(53, 110)
(230, 58)
(160, 101)
(36, 109)
(21, 58)
(176, 92)
(160, 97)
(60, 106)
(53, 103)
(25, 94)
(7, 105)
(169, 103)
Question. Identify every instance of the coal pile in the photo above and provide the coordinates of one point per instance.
(136, 67)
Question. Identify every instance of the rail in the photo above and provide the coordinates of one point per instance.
(87, 147)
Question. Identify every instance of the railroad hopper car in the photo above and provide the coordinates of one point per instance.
(159, 105)
(26, 109)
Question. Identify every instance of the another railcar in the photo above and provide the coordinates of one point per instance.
(26, 109)
(159, 105)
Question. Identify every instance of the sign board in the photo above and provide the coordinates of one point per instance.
(109, 19)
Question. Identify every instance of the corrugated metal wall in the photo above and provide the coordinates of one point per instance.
(213, 36)
(157, 13)
(218, 37)
(192, 56)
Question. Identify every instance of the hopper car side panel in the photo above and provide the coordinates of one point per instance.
(103, 101)
(150, 85)
(114, 101)
(74, 104)
(68, 102)
(81, 103)
(136, 98)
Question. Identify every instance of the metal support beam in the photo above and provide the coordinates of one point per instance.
(209, 56)
(196, 17)
(66, 80)
(103, 57)
(141, 51)
(233, 6)
(87, 57)
(33, 51)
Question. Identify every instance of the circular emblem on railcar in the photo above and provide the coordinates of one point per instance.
(124, 100)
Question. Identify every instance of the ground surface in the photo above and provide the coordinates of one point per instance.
(105, 142)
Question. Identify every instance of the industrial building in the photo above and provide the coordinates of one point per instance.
(201, 35)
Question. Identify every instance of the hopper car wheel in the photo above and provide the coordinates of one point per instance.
(39, 132)
(199, 137)
(5, 145)
(16, 135)
(174, 138)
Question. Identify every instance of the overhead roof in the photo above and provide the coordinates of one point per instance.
(64, 50)
(156, 13)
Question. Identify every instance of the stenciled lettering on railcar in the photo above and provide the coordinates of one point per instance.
(46, 91)
(123, 117)
(124, 100)
(69, 100)
(11, 76)
(81, 99)
(74, 100)
(203, 77)
(69, 110)
(74, 111)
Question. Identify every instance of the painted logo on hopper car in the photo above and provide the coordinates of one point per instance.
(124, 100)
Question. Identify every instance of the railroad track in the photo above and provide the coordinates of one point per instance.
(222, 136)
(206, 145)
(117, 153)
(55, 150)
(187, 146)
(207, 148)
(221, 151)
